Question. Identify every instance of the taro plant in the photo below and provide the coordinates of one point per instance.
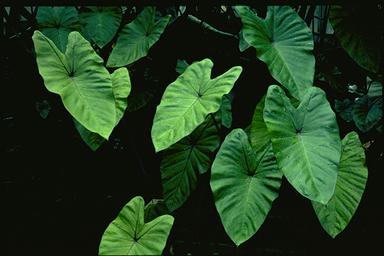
(294, 132)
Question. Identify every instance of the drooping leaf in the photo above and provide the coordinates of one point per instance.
(350, 185)
(154, 209)
(137, 37)
(181, 66)
(284, 42)
(57, 22)
(344, 109)
(259, 135)
(101, 23)
(188, 100)
(359, 31)
(128, 234)
(121, 86)
(367, 112)
(243, 45)
(244, 185)
(305, 140)
(81, 80)
(183, 161)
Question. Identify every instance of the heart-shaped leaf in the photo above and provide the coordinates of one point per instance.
(188, 100)
(183, 161)
(259, 135)
(367, 112)
(81, 80)
(57, 22)
(364, 45)
(244, 185)
(305, 140)
(350, 185)
(137, 37)
(101, 23)
(284, 42)
(121, 86)
(129, 235)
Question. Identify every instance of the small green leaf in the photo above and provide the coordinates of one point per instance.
(81, 80)
(183, 161)
(137, 37)
(375, 88)
(259, 134)
(226, 110)
(154, 209)
(181, 66)
(187, 101)
(305, 140)
(344, 109)
(57, 22)
(367, 112)
(43, 107)
(244, 185)
(129, 235)
(101, 23)
(284, 42)
(350, 185)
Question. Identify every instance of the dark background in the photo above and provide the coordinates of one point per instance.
(57, 196)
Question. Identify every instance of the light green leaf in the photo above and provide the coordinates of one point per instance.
(121, 86)
(367, 112)
(244, 185)
(81, 80)
(188, 100)
(57, 22)
(101, 23)
(137, 37)
(183, 161)
(305, 140)
(360, 34)
(350, 185)
(284, 42)
(129, 235)
(259, 135)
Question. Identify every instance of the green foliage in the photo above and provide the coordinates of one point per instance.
(305, 140)
(188, 100)
(137, 37)
(79, 77)
(101, 23)
(259, 135)
(244, 185)
(128, 234)
(351, 179)
(284, 42)
(367, 112)
(57, 22)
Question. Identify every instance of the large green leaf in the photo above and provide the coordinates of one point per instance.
(129, 235)
(188, 100)
(137, 37)
(183, 161)
(81, 80)
(101, 23)
(244, 185)
(284, 42)
(367, 112)
(305, 140)
(121, 86)
(57, 22)
(350, 185)
(259, 135)
(359, 31)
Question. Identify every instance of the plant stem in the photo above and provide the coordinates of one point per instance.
(209, 27)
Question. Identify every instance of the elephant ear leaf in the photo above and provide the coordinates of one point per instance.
(81, 80)
(281, 40)
(187, 101)
(136, 38)
(183, 161)
(244, 185)
(57, 22)
(101, 23)
(259, 134)
(121, 86)
(305, 140)
(350, 185)
(129, 235)
(364, 46)
(367, 112)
